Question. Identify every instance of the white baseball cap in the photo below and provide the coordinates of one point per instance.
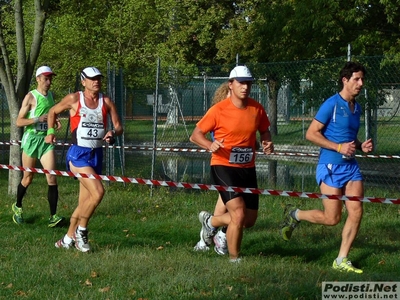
(90, 72)
(241, 73)
(44, 70)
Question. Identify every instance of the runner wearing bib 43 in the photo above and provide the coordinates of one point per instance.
(88, 112)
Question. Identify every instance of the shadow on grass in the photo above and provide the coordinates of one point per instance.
(38, 220)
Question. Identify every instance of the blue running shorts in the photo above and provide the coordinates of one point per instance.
(85, 157)
(338, 175)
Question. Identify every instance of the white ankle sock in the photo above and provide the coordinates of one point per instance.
(339, 260)
(294, 214)
(209, 223)
(67, 239)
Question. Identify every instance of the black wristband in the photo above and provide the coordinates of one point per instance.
(111, 140)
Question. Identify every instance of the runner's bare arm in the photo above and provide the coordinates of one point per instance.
(26, 106)
(69, 102)
(112, 110)
(266, 142)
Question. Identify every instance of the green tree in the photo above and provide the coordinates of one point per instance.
(132, 35)
(275, 31)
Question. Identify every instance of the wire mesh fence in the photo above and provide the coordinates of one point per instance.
(164, 112)
(291, 93)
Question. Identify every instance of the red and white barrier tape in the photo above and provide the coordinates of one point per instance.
(198, 150)
(200, 186)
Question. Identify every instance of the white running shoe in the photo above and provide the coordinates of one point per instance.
(220, 243)
(60, 244)
(235, 260)
(81, 240)
(201, 246)
(206, 233)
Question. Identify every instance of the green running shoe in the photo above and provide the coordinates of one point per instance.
(346, 266)
(289, 223)
(17, 217)
(54, 220)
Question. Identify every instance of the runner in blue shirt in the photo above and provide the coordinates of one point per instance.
(334, 129)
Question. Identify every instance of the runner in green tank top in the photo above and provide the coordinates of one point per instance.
(33, 116)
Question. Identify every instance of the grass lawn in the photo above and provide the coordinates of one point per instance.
(142, 249)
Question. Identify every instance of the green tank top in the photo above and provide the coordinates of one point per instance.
(43, 105)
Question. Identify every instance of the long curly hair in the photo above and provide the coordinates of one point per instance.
(221, 93)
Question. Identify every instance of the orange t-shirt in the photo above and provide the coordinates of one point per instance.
(238, 127)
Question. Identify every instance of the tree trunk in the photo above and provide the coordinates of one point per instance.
(273, 86)
(273, 171)
(14, 177)
(17, 85)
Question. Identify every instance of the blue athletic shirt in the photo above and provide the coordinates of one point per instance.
(341, 126)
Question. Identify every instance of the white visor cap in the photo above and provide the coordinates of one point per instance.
(241, 73)
(44, 70)
(90, 72)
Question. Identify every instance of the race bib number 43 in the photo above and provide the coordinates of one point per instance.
(241, 155)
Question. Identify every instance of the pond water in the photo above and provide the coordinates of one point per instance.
(273, 172)
(287, 173)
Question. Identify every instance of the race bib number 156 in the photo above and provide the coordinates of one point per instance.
(241, 155)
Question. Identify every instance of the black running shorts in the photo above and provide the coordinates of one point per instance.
(238, 177)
